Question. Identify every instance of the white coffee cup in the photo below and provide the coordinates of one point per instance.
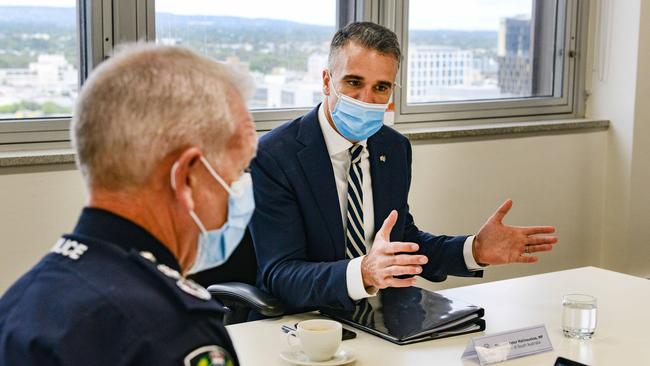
(319, 338)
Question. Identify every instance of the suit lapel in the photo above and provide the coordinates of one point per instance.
(380, 168)
(317, 166)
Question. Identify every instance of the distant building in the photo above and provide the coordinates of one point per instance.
(53, 72)
(514, 56)
(433, 70)
(284, 88)
(50, 73)
(298, 94)
(50, 79)
(486, 67)
(240, 66)
(169, 41)
(316, 63)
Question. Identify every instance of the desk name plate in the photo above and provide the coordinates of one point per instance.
(508, 345)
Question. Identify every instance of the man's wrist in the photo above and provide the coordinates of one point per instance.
(364, 273)
(474, 249)
(476, 244)
(356, 288)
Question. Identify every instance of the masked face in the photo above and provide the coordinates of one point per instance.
(358, 85)
(354, 119)
(214, 247)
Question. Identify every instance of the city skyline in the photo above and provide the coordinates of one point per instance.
(470, 15)
(285, 60)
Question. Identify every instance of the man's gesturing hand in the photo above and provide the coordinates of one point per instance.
(497, 243)
(383, 261)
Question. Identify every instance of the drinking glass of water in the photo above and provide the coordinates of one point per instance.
(578, 316)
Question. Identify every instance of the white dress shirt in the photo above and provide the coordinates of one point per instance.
(337, 147)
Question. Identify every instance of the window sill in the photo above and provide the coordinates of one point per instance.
(36, 157)
(66, 155)
(504, 129)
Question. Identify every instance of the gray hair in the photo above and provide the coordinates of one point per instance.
(369, 35)
(146, 102)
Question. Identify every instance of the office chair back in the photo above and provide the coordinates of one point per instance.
(240, 267)
(233, 284)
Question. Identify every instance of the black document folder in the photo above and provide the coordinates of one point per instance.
(409, 315)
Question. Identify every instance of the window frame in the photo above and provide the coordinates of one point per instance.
(99, 24)
(104, 24)
(44, 129)
(572, 16)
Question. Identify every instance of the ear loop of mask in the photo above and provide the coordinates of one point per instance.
(193, 214)
(215, 175)
(332, 85)
(210, 170)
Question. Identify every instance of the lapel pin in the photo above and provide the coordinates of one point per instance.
(382, 158)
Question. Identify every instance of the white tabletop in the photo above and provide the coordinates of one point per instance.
(622, 335)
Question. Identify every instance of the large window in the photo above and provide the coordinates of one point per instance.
(465, 61)
(282, 44)
(470, 50)
(469, 59)
(39, 60)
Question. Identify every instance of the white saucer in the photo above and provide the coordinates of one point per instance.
(298, 357)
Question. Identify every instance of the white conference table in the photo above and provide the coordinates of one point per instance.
(622, 335)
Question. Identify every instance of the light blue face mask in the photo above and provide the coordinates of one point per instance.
(214, 247)
(354, 119)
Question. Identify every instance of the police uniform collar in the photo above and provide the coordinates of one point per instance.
(107, 226)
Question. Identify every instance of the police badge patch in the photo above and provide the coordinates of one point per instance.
(209, 356)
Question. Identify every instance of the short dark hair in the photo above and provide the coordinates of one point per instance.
(369, 35)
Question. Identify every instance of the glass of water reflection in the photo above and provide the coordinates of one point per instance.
(578, 316)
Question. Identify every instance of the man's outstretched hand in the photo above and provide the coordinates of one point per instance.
(497, 243)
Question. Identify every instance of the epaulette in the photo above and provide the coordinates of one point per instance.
(191, 295)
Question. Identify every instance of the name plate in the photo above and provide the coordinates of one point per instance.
(508, 345)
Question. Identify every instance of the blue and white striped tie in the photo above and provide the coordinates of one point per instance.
(354, 235)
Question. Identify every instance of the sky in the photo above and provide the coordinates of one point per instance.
(55, 3)
(424, 14)
(464, 14)
(304, 11)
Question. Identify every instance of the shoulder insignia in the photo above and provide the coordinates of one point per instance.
(148, 256)
(69, 248)
(193, 289)
(168, 271)
(209, 356)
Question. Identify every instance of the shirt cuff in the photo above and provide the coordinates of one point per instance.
(354, 280)
(470, 262)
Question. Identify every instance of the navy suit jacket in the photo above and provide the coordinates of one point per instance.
(297, 227)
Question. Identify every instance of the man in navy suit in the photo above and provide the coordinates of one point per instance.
(332, 224)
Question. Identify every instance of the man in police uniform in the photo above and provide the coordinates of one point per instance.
(162, 137)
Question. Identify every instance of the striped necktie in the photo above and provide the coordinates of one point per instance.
(354, 235)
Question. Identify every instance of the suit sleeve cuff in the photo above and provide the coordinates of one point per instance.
(356, 290)
(470, 262)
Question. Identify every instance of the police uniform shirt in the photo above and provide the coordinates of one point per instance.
(110, 294)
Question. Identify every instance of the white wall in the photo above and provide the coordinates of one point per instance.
(37, 205)
(553, 180)
(619, 83)
(639, 232)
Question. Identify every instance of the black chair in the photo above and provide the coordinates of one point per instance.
(233, 284)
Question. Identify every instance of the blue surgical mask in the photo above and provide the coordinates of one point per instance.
(214, 247)
(354, 119)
